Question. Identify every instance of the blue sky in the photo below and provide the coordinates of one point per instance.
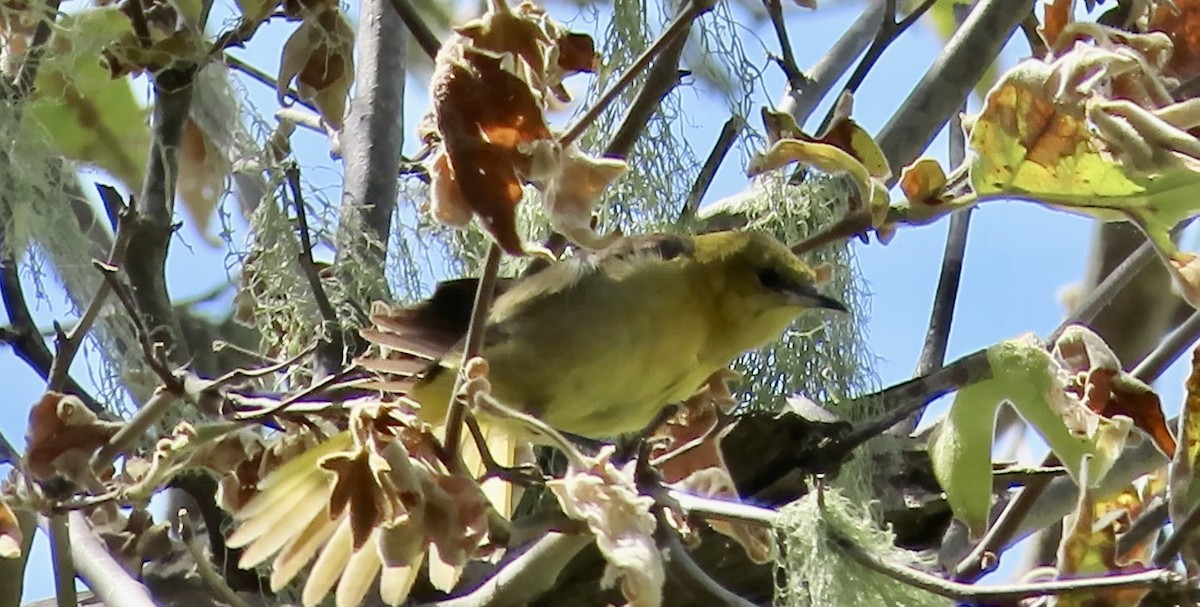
(1018, 256)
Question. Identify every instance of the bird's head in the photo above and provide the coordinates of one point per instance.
(762, 285)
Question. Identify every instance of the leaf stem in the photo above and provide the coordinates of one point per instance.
(475, 333)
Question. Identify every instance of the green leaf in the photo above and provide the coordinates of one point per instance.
(1027, 377)
(83, 112)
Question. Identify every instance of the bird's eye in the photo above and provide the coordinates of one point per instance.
(770, 278)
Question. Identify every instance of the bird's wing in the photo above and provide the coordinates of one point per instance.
(542, 287)
(413, 339)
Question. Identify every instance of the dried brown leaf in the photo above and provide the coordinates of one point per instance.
(319, 56)
(62, 428)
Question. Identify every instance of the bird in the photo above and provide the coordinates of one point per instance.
(599, 344)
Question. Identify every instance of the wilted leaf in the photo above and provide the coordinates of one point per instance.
(489, 146)
(572, 196)
(1182, 24)
(491, 85)
(1100, 382)
(1032, 381)
(134, 539)
(202, 171)
(63, 434)
(872, 193)
(387, 500)
(1089, 547)
(10, 532)
(319, 56)
(606, 499)
(693, 461)
(1058, 13)
(923, 183)
(502, 31)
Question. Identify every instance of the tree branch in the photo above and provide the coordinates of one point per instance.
(373, 134)
(708, 171)
(964, 60)
(152, 227)
(100, 571)
(1155, 578)
(678, 27)
(24, 337)
(801, 101)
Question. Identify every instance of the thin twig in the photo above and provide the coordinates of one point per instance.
(474, 347)
(204, 567)
(1146, 524)
(1184, 529)
(23, 85)
(68, 346)
(889, 31)
(324, 383)
(822, 76)
(937, 335)
(661, 79)
(64, 565)
(902, 400)
(420, 30)
(708, 171)
(330, 355)
(526, 576)
(958, 591)
(691, 576)
(969, 53)
(137, 15)
(151, 350)
(273, 366)
(24, 338)
(1101, 296)
(679, 26)
(146, 416)
(718, 509)
(1169, 349)
(264, 78)
(787, 57)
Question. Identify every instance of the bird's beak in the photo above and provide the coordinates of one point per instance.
(809, 297)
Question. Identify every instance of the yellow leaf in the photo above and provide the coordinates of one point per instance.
(1049, 132)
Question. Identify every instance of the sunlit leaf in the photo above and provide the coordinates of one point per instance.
(606, 499)
(1089, 547)
(1028, 378)
(1185, 465)
(1051, 132)
(86, 114)
(10, 532)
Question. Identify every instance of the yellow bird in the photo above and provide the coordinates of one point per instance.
(597, 345)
